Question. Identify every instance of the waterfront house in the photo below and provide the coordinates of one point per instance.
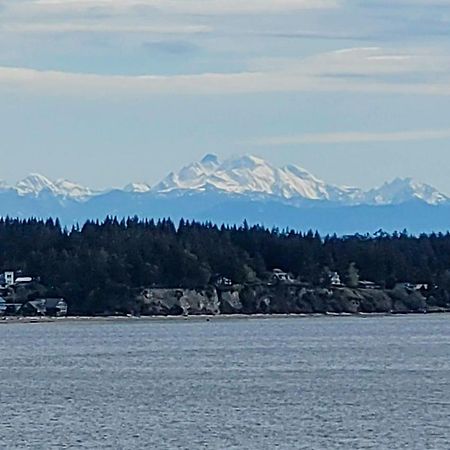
(55, 307)
(33, 308)
(9, 278)
(6, 279)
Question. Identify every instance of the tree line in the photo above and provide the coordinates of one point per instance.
(99, 265)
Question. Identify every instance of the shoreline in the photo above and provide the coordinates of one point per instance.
(204, 317)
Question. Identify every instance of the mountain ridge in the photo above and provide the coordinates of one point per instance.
(244, 188)
(246, 175)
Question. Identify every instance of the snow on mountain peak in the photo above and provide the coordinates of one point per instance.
(246, 175)
(401, 190)
(35, 184)
(249, 162)
(249, 174)
(70, 189)
(192, 176)
(138, 188)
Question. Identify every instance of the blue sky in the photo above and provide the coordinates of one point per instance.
(105, 91)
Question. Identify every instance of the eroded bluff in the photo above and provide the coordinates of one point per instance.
(279, 299)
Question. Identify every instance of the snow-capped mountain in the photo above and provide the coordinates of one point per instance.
(402, 190)
(139, 188)
(36, 184)
(249, 175)
(237, 189)
(73, 190)
(253, 175)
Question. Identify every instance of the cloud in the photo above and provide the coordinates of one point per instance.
(349, 70)
(353, 137)
(69, 27)
(194, 6)
(321, 34)
(364, 61)
(29, 80)
(403, 3)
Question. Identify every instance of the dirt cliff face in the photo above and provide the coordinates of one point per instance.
(277, 299)
(176, 302)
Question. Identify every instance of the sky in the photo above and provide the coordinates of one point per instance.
(104, 92)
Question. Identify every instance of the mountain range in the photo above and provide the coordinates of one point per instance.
(240, 188)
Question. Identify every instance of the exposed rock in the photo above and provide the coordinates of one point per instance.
(346, 300)
(278, 299)
(230, 302)
(178, 301)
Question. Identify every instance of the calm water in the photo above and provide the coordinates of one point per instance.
(312, 383)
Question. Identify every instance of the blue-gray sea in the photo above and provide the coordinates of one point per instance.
(279, 383)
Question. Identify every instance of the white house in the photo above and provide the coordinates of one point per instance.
(8, 278)
(335, 279)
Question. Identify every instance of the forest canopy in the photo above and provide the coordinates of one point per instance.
(92, 263)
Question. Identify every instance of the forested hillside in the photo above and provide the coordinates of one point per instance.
(99, 263)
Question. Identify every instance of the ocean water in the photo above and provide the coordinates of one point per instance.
(287, 383)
